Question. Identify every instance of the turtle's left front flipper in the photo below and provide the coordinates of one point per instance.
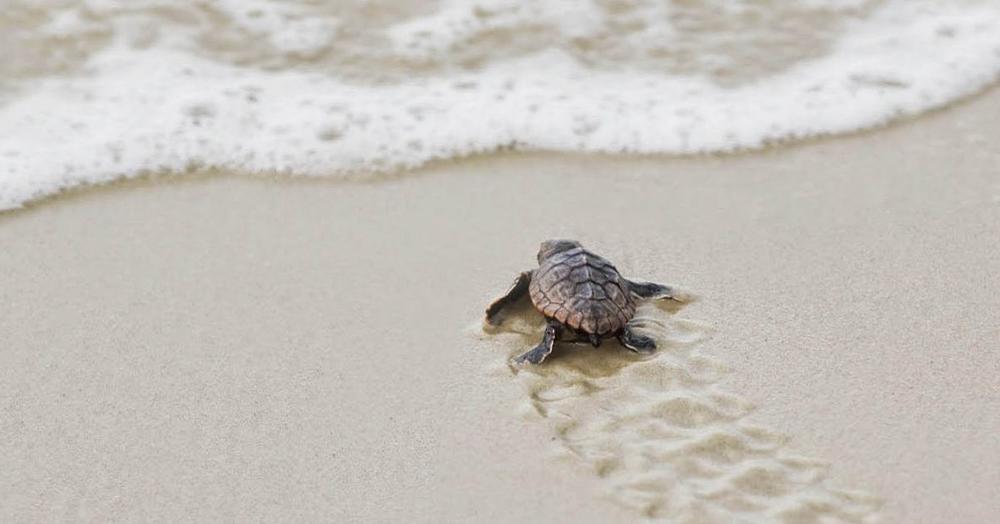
(653, 291)
(516, 291)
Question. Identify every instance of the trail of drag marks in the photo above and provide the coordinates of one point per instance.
(667, 440)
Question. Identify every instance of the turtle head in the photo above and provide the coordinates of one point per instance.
(553, 247)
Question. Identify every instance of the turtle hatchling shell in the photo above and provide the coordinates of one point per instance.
(583, 291)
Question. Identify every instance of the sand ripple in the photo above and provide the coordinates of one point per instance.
(666, 439)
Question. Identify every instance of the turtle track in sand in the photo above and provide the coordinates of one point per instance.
(667, 441)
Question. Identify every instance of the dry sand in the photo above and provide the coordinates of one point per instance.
(228, 348)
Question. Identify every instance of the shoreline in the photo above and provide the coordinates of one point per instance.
(445, 164)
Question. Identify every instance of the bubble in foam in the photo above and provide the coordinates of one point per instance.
(251, 85)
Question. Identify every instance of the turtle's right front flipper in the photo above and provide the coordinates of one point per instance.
(542, 350)
(652, 290)
(516, 291)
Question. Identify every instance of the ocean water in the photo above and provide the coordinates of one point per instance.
(96, 90)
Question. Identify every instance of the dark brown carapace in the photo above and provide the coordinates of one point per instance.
(581, 292)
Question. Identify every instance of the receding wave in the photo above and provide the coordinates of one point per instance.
(100, 90)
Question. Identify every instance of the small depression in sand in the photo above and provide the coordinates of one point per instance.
(667, 441)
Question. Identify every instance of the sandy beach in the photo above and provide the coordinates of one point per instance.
(228, 348)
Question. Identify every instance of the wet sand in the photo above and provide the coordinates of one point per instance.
(231, 348)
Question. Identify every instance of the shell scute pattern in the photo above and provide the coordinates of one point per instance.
(591, 291)
(583, 291)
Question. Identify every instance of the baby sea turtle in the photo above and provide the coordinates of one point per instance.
(582, 292)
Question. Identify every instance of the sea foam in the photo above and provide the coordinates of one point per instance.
(97, 90)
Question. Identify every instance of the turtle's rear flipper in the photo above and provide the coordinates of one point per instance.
(636, 342)
(652, 291)
(516, 291)
(542, 350)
